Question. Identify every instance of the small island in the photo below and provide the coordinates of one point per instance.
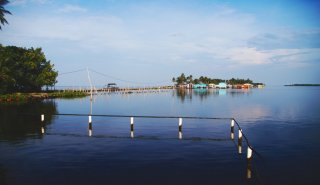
(189, 82)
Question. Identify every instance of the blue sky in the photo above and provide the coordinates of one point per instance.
(138, 43)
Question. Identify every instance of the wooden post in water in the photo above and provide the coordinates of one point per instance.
(180, 124)
(240, 141)
(232, 129)
(249, 153)
(42, 123)
(240, 134)
(131, 123)
(90, 126)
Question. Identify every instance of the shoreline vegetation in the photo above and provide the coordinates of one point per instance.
(26, 97)
(303, 85)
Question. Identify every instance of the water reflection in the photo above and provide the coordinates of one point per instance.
(180, 135)
(188, 94)
(250, 112)
(90, 129)
(240, 145)
(249, 169)
(19, 121)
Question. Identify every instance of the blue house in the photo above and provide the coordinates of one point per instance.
(200, 86)
(222, 85)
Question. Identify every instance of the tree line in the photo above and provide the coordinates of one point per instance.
(24, 70)
(183, 79)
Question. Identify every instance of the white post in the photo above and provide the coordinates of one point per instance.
(232, 129)
(180, 124)
(249, 153)
(90, 120)
(132, 134)
(42, 120)
(131, 123)
(240, 134)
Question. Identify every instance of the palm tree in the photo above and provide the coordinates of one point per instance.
(2, 12)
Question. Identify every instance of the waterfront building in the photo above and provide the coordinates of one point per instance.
(212, 85)
(222, 85)
(200, 86)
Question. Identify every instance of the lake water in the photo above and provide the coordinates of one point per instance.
(281, 123)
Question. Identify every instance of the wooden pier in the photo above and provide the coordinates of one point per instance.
(121, 90)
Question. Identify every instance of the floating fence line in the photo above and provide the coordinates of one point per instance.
(233, 122)
(180, 118)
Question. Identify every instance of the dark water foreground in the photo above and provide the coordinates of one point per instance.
(282, 124)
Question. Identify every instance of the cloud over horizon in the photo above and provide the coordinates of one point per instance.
(224, 38)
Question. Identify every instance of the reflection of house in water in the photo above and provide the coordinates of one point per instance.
(222, 92)
(184, 94)
(188, 94)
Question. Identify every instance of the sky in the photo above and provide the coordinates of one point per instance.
(146, 43)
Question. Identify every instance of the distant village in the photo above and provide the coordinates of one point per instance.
(188, 82)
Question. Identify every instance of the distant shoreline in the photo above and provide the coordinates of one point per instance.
(303, 85)
(25, 97)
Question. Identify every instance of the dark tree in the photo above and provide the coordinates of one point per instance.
(3, 11)
(24, 70)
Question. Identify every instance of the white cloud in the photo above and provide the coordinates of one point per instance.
(252, 56)
(217, 39)
(72, 8)
(24, 2)
(17, 2)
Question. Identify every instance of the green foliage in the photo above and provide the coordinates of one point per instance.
(67, 94)
(24, 70)
(182, 79)
(234, 81)
(26, 97)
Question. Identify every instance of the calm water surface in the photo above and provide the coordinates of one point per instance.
(281, 123)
